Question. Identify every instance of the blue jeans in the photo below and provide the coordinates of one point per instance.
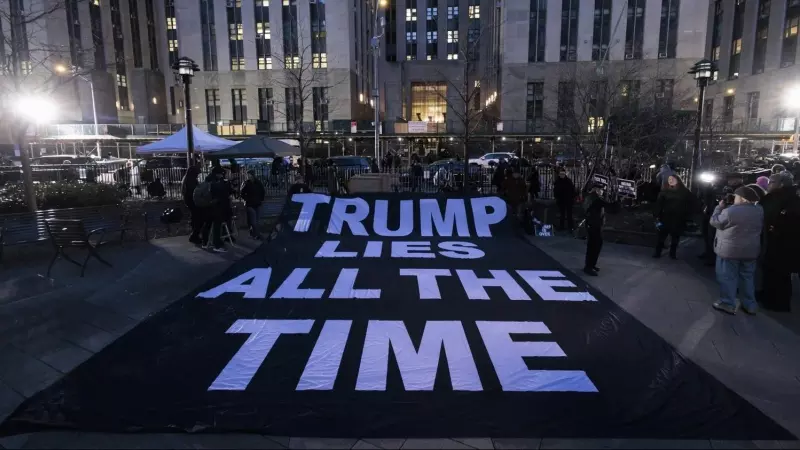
(733, 274)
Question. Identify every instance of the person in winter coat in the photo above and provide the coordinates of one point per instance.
(515, 191)
(781, 241)
(663, 173)
(594, 207)
(253, 193)
(276, 169)
(188, 185)
(737, 245)
(564, 193)
(709, 198)
(220, 209)
(673, 208)
(534, 184)
(499, 176)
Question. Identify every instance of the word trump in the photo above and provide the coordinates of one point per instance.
(254, 284)
(353, 212)
(417, 366)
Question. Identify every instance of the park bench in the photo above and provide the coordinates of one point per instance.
(71, 233)
(30, 228)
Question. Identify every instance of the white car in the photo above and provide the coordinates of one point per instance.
(491, 159)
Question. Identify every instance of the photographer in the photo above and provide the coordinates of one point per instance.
(737, 245)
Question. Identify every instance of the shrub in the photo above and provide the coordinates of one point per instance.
(59, 195)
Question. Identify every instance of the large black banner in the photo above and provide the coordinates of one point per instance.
(396, 317)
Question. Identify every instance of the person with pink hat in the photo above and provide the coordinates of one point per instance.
(763, 182)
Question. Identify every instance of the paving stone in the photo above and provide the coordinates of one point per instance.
(364, 445)
(67, 358)
(282, 440)
(312, 443)
(24, 373)
(392, 444)
(793, 445)
(481, 443)
(432, 444)
(516, 444)
(9, 400)
(87, 336)
(739, 444)
(14, 442)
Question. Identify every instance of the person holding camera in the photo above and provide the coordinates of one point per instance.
(738, 245)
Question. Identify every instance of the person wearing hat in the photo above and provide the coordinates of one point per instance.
(253, 193)
(737, 245)
(781, 242)
(594, 209)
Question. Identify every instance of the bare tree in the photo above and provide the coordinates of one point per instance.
(31, 66)
(304, 80)
(626, 105)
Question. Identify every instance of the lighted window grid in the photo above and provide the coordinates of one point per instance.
(173, 45)
(172, 24)
(474, 12)
(452, 12)
(122, 80)
(319, 60)
(235, 31)
(264, 63)
(452, 56)
(411, 14)
(452, 36)
(263, 30)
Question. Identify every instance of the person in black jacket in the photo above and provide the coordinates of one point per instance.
(253, 194)
(188, 185)
(564, 193)
(781, 242)
(219, 211)
(534, 184)
(673, 207)
(709, 199)
(594, 208)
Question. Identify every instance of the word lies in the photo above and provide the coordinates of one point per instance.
(418, 366)
(404, 249)
(353, 212)
(255, 282)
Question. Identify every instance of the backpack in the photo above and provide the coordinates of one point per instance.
(202, 195)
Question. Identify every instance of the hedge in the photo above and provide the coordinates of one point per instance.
(58, 195)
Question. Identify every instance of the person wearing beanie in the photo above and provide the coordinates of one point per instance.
(737, 245)
(778, 168)
(781, 242)
(673, 208)
(763, 182)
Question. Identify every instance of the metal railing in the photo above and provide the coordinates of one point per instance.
(139, 182)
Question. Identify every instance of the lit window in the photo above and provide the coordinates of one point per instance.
(173, 45)
(262, 3)
(452, 12)
(285, 2)
(292, 62)
(236, 32)
(263, 30)
(452, 56)
(432, 13)
(452, 36)
(411, 36)
(237, 64)
(319, 60)
(477, 83)
(25, 67)
(264, 63)
(429, 57)
(122, 80)
(433, 36)
(474, 12)
(411, 14)
(715, 53)
(791, 28)
(171, 23)
(96, 2)
(736, 46)
(411, 57)
(595, 123)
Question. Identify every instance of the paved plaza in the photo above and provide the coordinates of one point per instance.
(51, 326)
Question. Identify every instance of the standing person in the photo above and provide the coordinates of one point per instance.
(499, 176)
(564, 193)
(515, 191)
(673, 207)
(781, 241)
(253, 194)
(594, 208)
(219, 209)
(534, 184)
(277, 167)
(188, 185)
(709, 199)
(737, 245)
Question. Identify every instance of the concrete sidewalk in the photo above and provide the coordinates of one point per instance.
(52, 328)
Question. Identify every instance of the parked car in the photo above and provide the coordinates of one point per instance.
(491, 159)
(349, 164)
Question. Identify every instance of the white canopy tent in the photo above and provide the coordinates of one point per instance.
(203, 143)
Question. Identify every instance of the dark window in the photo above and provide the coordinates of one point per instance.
(668, 30)
(263, 36)
(290, 35)
(236, 35)
(319, 44)
(390, 40)
(320, 99)
(538, 31)
(569, 30)
(122, 92)
(97, 36)
(566, 102)
(761, 37)
(294, 112)
(266, 105)
(664, 92)
(534, 105)
(634, 32)
(411, 33)
(629, 94)
(119, 56)
(790, 33)
(213, 109)
(172, 102)
(151, 34)
(602, 29)
(727, 108)
(74, 30)
(752, 105)
(209, 35)
(432, 29)
(136, 37)
(736, 40)
(474, 30)
(239, 104)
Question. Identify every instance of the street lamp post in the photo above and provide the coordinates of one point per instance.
(378, 29)
(703, 71)
(76, 72)
(184, 71)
